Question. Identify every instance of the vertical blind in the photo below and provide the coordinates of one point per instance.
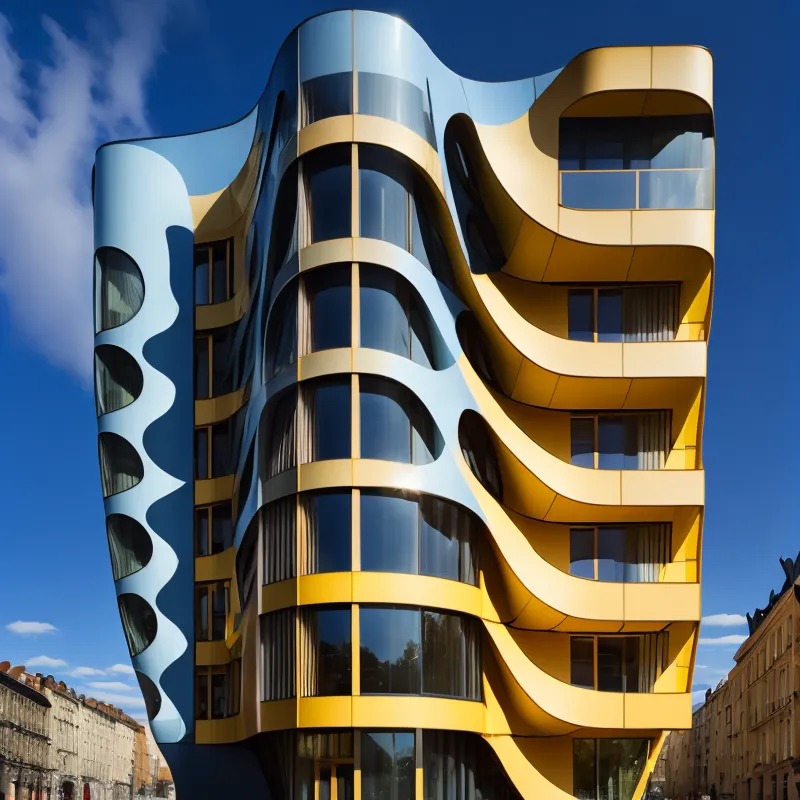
(278, 636)
(649, 314)
(280, 540)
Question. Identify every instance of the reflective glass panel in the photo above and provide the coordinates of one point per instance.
(581, 552)
(387, 766)
(384, 201)
(617, 438)
(328, 523)
(331, 420)
(335, 653)
(388, 533)
(598, 190)
(390, 650)
(610, 664)
(582, 449)
(582, 661)
(329, 189)
(329, 304)
(327, 96)
(609, 315)
(580, 315)
(584, 766)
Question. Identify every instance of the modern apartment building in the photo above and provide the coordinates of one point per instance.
(400, 384)
(743, 741)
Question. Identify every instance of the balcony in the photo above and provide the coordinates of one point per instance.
(634, 189)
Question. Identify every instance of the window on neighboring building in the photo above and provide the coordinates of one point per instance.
(213, 527)
(217, 691)
(621, 441)
(213, 272)
(212, 603)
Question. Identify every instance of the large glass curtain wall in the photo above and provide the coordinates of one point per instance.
(620, 441)
(302, 765)
(418, 651)
(608, 769)
(314, 532)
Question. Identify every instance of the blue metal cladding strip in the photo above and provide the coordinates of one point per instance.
(156, 230)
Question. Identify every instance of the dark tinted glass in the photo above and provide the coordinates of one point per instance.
(219, 696)
(581, 552)
(219, 283)
(118, 378)
(139, 622)
(333, 631)
(449, 655)
(396, 99)
(201, 523)
(384, 186)
(221, 450)
(388, 533)
(129, 543)
(582, 450)
(387, 766)
(280, 347)
(219, 608)
(329, 302)
(611, 547)
(221, 527)
(201, 258)
(329, 526)
(332, 420)
(329, 188)
(609, 315)
(584, 765)
(610, 664)
(620, 763)
(582, 661)
(581, 315)
(201, 388)
(631, 665)
(222, 374)
(385, 426)
(152, 697)
(617, 438)
(201, 614)
(447, 544)
(478, 451)
(390, 650)
(327, 96)
(201, 697)
(201, 453)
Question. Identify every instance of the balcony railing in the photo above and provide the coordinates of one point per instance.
(637, 189)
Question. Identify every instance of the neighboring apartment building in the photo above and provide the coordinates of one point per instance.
(24, 737)
(743, 741)
(400, 390)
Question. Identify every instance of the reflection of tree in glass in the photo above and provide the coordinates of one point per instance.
(400, 676)
(334, 675)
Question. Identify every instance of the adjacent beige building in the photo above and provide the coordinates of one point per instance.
(743, 741)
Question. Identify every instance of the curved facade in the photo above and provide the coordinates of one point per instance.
(400, 387)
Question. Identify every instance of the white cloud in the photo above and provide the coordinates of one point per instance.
(121, 700)
(89, 90)
(86, 672)
(724, 620)
(110, 686)
(20, 627)
(733, 638)
(45, 661)
(120, 669)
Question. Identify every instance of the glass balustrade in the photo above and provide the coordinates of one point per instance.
(637, 189)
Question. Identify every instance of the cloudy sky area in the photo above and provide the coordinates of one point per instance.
(75, 75)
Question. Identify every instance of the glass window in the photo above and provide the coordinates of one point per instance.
(580, 314)
(330, 667)
(584, 776)
(608, 769)
(393, 316)
(279, 434)
(118, 379)
(385, 184)
(450, 660)
(479, 453)
(388, 770)
(581, 552)
(582, 438)
(201, 696)
(201, 453)
(388, 533)
(328, 410)
(390, 650)
(448, 541)
(280, 347)
(326, 96)
(329, 189)
(327, 524)
(283, 227)
(120, 465)
(609, 315)
(582, 661)
(610, 664)
(221, 527)
(221, 366)
(221, 271)
(329, 302)
(398, 100)
(476, 349)
(202, 367)
(129, 543)
(219, 696)
(139, 622)
(119, 288)
(151, 695)
(202, 257)
(613, 546)
(617, 440)
(394, 424)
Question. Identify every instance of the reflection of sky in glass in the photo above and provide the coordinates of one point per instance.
(386, 631)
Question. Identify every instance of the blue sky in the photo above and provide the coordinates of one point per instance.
(73, 75)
